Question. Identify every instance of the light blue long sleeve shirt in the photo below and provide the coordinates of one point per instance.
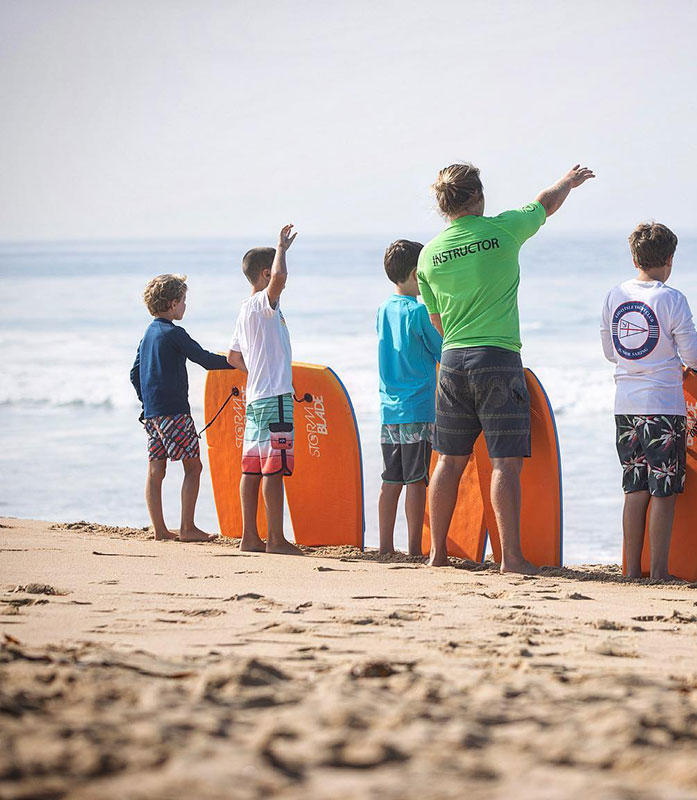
(408, 351)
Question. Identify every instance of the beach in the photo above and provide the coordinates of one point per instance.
(77, 415)
(134, 668)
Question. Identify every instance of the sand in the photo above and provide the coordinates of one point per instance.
(139, 669)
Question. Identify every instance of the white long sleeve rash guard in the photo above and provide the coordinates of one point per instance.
(647, 330)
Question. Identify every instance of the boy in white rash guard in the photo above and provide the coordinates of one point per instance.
(260, 346)
(648, 332)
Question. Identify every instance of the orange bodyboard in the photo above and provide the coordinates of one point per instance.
(682, 561)
(325, 492)
(224, 439)
(467, 534)
(541, 485)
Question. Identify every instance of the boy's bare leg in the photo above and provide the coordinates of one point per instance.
(249, 499)
(415, 507)
(444, 485)
(660, 529)
(387, 513)
(276, 542)
(634, 525)
(153, 498)
(505, 499)
(188, 531)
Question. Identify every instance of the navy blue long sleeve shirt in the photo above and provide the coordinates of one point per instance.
(159, 373)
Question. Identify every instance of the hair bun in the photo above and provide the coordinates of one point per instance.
(456, 187)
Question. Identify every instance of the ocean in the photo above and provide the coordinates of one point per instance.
(72, 315)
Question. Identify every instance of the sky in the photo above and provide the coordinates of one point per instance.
(212, 118)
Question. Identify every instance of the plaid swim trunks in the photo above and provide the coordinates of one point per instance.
(268, 437)
(172, 437)
(482, 389)
(652, 451)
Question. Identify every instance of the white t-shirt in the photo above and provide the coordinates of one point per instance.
(261, 335)
(647, 330)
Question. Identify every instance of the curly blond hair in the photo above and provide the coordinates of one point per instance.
(161, 292)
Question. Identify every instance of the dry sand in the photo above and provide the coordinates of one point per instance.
(140, 669)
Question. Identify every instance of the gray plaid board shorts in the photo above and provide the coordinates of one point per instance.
(482, 389)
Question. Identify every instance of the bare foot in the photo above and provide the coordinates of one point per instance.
(385, 552)
(521, 567)
(253, 544)
(164, 536)
(283, 547)
(667, 577)
(196, 535)
(439, 560)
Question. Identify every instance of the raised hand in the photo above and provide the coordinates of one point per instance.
(578, 175)
(285, 240)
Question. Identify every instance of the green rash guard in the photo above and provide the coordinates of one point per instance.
(469, 274)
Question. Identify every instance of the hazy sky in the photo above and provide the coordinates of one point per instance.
(152, 118)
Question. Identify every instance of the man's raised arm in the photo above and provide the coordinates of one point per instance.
(552, 198)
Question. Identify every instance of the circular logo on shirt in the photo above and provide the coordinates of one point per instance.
(635, 330)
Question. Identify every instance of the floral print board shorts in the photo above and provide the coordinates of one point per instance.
(268, 437)
(172, 437)
(652, 451)
(406, 451)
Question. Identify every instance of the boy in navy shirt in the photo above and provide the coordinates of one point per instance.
(160, 379)
(408, 350)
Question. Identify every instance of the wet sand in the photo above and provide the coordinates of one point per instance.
(138, 669)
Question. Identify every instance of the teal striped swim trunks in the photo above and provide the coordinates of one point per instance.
(268, 437)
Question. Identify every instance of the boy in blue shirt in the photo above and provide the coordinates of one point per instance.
(408, 350)
(161, 382)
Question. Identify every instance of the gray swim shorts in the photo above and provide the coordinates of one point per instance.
(482, 389)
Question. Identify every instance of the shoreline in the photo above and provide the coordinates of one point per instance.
(137, 668)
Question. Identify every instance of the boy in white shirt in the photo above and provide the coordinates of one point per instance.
(260, 346)
(648, 332)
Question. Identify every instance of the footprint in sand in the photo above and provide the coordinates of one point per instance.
(406, 615)
(615, 651)
(299, 609)
(245, 596)
(608, 625)
(285, 627)
(39, 588)
(676, 616)
(198, 612)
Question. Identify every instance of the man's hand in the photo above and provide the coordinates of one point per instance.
(578, 175)
(551, 199)
(285, 240)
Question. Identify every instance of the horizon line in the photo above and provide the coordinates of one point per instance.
(161, 239)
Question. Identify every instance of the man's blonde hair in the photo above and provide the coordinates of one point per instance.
(457, 188)
(162, 291)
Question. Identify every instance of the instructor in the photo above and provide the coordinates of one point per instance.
(468, 277)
